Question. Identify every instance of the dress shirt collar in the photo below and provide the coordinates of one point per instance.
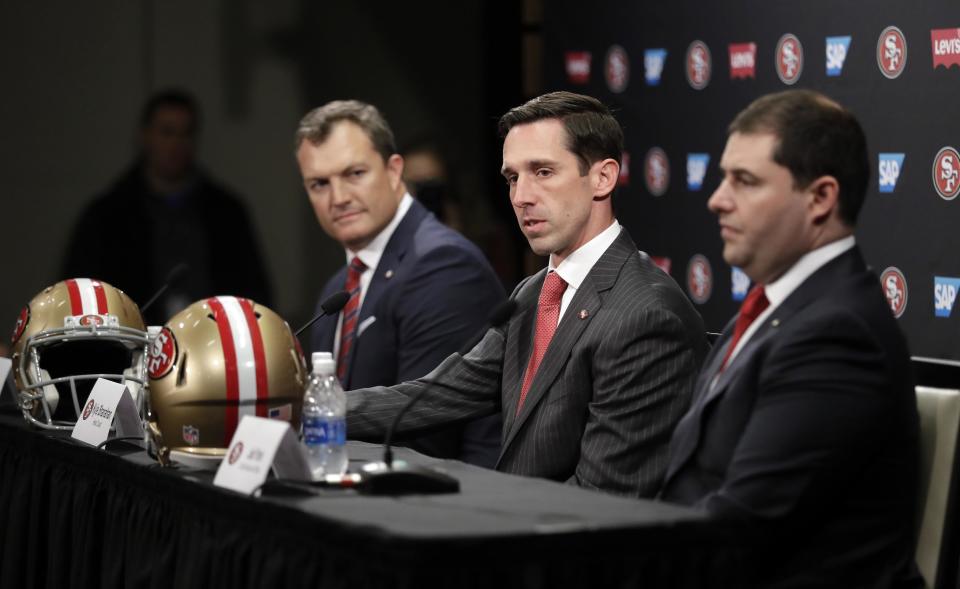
(778, 290)
(575, 267)
(371, 254)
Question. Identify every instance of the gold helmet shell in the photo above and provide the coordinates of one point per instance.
(214, 362)
(70, 334)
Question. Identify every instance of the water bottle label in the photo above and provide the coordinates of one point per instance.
(321, 431)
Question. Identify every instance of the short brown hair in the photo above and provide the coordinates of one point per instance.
(593, 134)
(817, 137)
(316, 125)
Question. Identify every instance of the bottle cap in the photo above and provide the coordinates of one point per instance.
(323, 363)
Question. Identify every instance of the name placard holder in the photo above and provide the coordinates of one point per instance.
(108, 402)
(258, 445)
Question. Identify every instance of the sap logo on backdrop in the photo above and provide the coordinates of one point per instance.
(578, 67)
(617, 70)
(889, 170)
(837, 48)
(743, 60)
(696, 169)
(895, 289)
(891, 52)
(657, 171)
(739, 284)
(789, 59)
(944, 294)
(946, 47)
(624, 178)
(698, 65)
(653, 60)
(946, 173)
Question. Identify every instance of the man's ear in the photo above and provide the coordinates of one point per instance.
(605, 177)
(395, 170)
(824, 198)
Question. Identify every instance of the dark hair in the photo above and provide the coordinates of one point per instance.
(818, 137)
(316, 125)
(171, 98)
(593, 133)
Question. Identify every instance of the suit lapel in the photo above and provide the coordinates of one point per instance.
(690, 427)
(589, 297)
(386, 272)
(520, 331)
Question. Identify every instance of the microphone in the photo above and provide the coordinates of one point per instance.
(330, 306)
(386, 479)
(172, 277)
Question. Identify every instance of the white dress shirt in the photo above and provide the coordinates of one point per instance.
(370, 256)
(781, 288)
(575, 267)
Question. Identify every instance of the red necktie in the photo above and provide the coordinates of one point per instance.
(548, 314)
(351, 311)
(755, 304)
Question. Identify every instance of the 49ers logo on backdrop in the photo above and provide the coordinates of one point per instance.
(21, 324)
(656, 171)
(699, 279)
(699, 65)
(946, 173)
(789, 59)
(163, 352)
(891, 52)
(895, 289)
(617, 69)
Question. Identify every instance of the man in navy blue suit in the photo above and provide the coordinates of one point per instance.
(418, 289)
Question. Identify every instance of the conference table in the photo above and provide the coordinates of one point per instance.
(75, 516)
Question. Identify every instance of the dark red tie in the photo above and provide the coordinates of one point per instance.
(755, 304)
(548, 314)
(351, 311)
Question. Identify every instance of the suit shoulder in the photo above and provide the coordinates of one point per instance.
(433, 238)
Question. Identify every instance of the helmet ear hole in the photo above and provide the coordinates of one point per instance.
(182, 370)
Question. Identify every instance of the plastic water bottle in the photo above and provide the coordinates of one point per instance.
(324, 419)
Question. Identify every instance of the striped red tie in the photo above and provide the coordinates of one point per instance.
(548, 315)
(351, 312)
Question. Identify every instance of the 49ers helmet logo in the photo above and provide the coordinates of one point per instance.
(891, 52)
(163, 353)
(88, 409)
(21, 324)
(946, 173)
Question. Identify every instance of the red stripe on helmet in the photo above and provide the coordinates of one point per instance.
(76, 303)
(232, 407)
(259, 357)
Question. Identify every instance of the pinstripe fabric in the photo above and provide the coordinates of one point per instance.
(613, 382)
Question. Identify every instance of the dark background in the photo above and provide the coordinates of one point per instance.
(76, 74)
(917, 113)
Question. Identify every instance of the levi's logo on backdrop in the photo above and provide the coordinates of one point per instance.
(837, 48)
(624, 178)
(944, 294)
(945, 44)
(696, 169)
(743, 60)
(889, 170)
(578, 67)
(653, 60)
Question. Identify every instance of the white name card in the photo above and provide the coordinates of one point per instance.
(108, 402)
(257, 445)
(5, 364)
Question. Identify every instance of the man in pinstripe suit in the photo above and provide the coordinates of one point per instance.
(597, 364)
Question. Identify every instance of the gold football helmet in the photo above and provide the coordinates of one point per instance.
(214, 362)
(69, 335)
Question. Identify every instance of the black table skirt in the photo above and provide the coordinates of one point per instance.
(72, 516)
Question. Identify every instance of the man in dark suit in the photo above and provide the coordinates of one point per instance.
(597, 363)
(804, 424)
(180, 215)
(418, 288)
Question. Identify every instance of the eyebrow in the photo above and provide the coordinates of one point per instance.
(531, 165)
